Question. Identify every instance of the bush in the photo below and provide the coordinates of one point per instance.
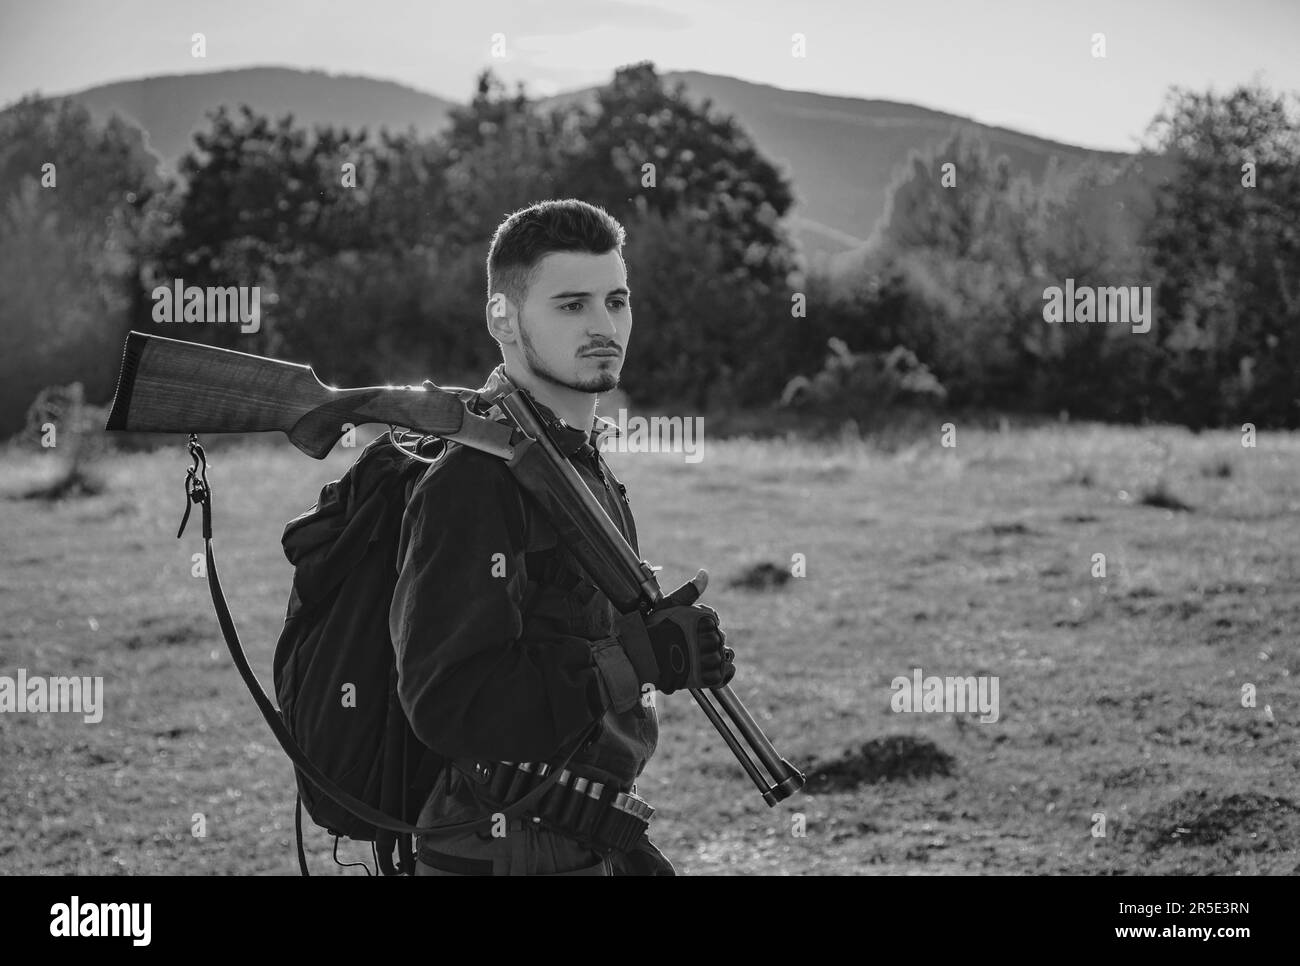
(864, 386)
(68, 246)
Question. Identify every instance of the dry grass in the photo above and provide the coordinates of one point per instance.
(1119, 695)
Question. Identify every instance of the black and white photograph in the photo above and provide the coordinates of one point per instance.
(651, 438)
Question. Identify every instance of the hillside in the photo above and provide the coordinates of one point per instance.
(841, 152)
(171, 108)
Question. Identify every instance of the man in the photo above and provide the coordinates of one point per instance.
(506, 652)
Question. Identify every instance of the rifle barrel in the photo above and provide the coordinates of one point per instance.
(628, 582)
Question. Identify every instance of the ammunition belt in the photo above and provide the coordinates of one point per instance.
(602, 816)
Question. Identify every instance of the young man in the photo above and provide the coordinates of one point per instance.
(506, 652)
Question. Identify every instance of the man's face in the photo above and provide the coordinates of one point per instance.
(575, 322)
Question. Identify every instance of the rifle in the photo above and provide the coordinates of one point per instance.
(168, 385)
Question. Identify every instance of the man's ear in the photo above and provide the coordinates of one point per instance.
(501, 315)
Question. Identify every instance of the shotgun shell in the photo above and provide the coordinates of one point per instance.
(639, 812)
(615, 821)
(573, 802)
(501, 775)
(519, 781)
(549, 806)
(639, 807)
(588, 817)
(539, 775)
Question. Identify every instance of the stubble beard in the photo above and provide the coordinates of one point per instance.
(602, 382)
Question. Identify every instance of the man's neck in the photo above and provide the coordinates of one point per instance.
(577, 409)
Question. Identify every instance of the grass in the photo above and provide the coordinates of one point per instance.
(75, 479)
(1121, 696)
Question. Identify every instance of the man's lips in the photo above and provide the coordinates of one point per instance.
(602, 352)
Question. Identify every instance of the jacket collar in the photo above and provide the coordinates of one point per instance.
(569, 439)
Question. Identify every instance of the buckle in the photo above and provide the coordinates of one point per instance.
(479, 772)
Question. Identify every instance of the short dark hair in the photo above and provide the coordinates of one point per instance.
(523, 238)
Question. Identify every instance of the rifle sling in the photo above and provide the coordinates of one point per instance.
(290, 745)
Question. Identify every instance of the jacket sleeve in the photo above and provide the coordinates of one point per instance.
(472, 680)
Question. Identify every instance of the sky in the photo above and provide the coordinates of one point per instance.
(1024, 64)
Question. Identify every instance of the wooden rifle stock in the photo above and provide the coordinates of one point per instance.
(171, 386)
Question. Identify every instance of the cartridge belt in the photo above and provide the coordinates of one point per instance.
(605, 816)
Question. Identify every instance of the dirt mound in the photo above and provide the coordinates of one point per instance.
(1079, 518)
(1240, 822)
(1013, 528)
(761, 576)
(880, 760)
(166, 632)
(1162, 497)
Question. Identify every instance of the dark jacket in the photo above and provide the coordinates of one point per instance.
(505, 651)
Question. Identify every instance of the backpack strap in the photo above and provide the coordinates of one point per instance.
(200, 492)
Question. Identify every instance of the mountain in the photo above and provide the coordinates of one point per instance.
(840, 152)
(843, 152)
(170, 108)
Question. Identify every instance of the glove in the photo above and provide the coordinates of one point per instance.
(681, 645)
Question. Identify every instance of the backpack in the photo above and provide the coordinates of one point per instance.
(361, 771)
(334, 670)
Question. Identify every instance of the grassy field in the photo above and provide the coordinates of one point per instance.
(1120, 696)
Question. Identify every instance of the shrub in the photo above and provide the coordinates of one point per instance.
(863, 386)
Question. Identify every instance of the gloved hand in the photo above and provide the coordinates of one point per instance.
(680, 645)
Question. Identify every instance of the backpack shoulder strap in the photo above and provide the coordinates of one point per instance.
(290, 745)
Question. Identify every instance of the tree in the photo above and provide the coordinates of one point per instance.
(1087, 226)
(961, 240)
(502, 154)
(261, 200)
(691, 339)
(1226, 242)
(69, 243)
(973, 209)
(705, 169)
(339, 232)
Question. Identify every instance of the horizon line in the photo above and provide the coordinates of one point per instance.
(577, 90)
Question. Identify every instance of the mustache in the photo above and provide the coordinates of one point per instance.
(595, 348)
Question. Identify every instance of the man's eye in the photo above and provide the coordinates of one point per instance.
(621, 303)
(567, 305)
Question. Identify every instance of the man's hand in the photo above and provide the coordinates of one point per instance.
(688, 648)
(681, 645)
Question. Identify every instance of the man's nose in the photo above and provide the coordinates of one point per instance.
(602, 326)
